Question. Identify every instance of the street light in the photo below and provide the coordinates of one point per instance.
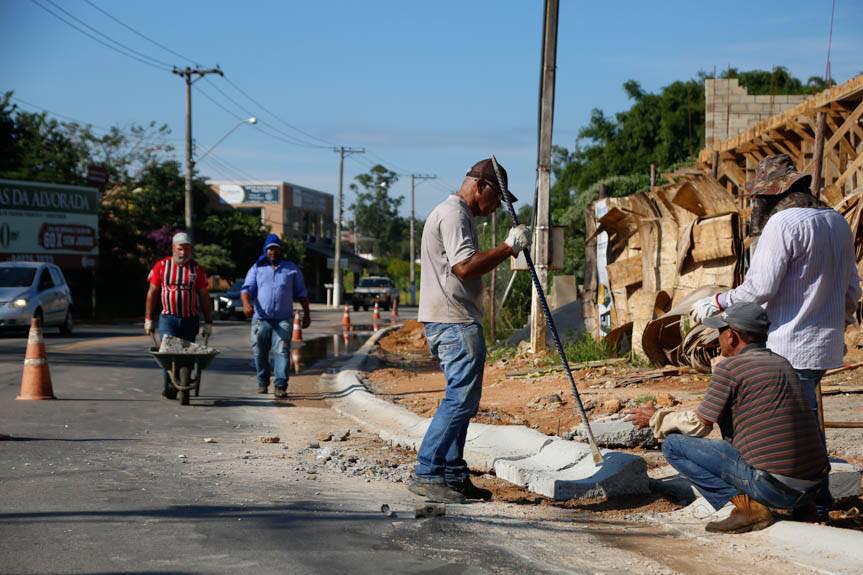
(253, 120)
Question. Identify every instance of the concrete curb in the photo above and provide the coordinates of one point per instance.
(821, 548)
(513, 451)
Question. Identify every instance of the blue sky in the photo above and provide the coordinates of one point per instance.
(430, 87)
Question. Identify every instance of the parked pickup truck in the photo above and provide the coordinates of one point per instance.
(374, 289)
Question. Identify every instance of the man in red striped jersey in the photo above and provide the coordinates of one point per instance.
(772, 454)
(182, 282)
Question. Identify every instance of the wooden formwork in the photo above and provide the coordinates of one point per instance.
(666, 244)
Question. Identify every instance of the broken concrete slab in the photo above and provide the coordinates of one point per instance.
(171, 344)
(619, 474)
(555, 456)
(844, 479)
(615, 432)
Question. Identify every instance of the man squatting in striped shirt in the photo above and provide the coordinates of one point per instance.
(182, 282)
(772, 453)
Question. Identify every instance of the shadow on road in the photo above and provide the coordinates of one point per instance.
(67, 439)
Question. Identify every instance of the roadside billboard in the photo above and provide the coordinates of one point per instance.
(249, 194)
(49, 223)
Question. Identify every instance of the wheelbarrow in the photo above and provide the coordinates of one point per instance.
(184, 369)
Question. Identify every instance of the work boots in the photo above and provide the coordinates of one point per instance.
(748, 515)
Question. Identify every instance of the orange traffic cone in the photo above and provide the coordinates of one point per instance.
(296, 360)
(377, 313)
(297, 335)
(346, 318)
(36, 379)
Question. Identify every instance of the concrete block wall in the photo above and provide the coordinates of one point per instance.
(729, 109)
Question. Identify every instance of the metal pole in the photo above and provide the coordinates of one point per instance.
(493, 286)
(597, 455)
(337, 264)
(543, 212)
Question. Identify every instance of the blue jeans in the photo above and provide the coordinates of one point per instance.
(809, 379)
(272, 335)
(719, 473)
(182, 327)
(460, 348)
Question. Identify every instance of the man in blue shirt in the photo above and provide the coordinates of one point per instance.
(269, 290)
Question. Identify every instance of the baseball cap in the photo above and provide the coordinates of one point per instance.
(776, 175)
(744, 316)
(484, 170)
(181, 238)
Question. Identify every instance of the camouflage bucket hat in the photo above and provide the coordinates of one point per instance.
(776, 175)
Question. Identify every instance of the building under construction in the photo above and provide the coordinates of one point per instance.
(652, 254)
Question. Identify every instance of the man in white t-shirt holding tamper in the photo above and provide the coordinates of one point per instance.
(451, 309)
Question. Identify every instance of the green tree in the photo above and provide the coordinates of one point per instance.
(215, 259)
(377, 213)
(36, 147)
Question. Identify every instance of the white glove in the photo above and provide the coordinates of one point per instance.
(206, 330)
(705, 307)
(518, 239)
(148, 326)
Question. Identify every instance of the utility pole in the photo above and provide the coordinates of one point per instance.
(188, 73)
(543, 172)
(337, 264)
(414, 178)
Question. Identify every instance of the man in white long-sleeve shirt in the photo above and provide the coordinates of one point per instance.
(803, 272)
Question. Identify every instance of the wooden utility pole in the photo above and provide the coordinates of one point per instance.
(337, 259)
(543, 171)
(187, 74)
(818, 154)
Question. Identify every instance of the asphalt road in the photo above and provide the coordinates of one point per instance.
(110, 478)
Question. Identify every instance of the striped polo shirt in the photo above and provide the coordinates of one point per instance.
(758, 403)
(180, 284)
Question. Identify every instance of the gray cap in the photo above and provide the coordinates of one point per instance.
(181, 238)
(744, 316)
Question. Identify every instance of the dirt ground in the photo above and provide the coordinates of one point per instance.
(530, 390)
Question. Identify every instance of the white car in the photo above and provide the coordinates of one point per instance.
(34, 289)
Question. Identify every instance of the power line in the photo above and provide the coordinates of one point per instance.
(57, 114)
(120, 48)
(243, 173)
(295, 140)
(125, 50)
(264, 130)
(138, 33)
(264, 108)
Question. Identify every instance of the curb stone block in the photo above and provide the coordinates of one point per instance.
(487, 444)
(555, 456)
(617, 433)
(619, 474)
(844, 480)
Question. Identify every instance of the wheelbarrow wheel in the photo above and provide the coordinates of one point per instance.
(183, 394)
